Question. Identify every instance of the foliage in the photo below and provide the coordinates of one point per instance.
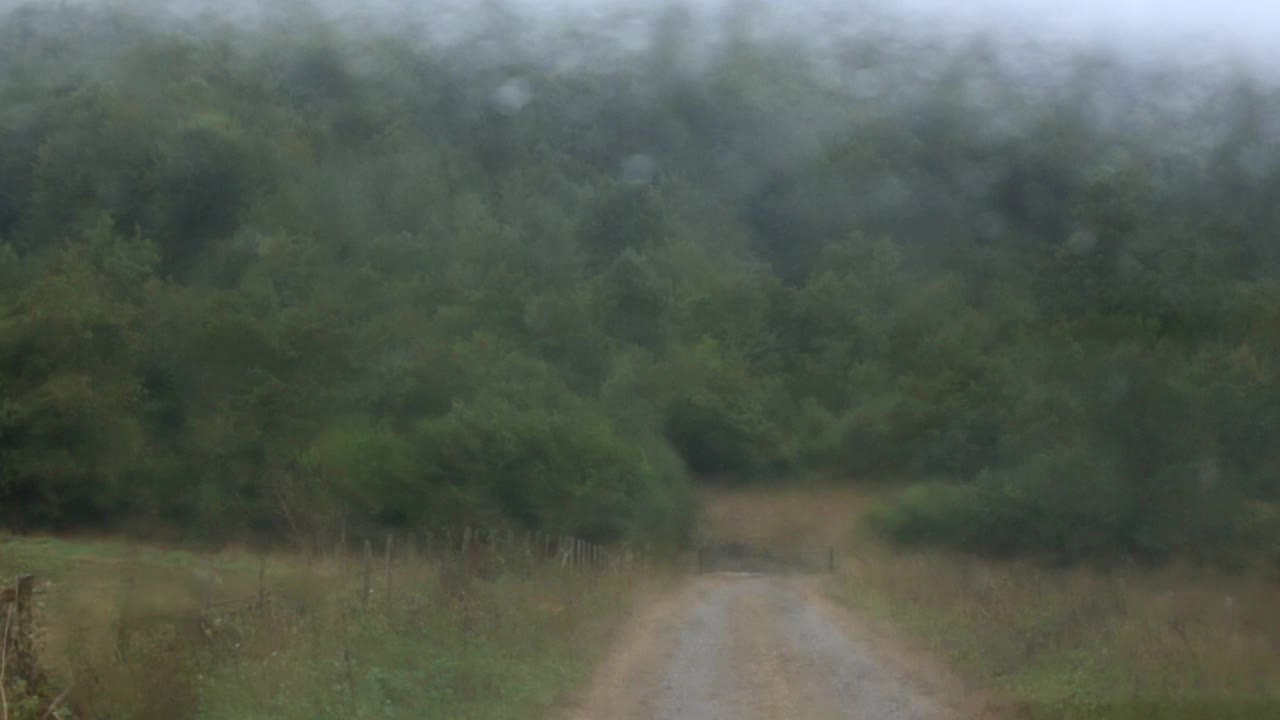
(282, 276)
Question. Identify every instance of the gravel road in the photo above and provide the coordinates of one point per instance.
(750, 648)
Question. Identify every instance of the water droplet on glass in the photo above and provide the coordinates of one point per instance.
(1210, 473)
(1082, 241)
(639, 169)
(866, 84)
(512, 96)
(1254, 162)
(991, 226)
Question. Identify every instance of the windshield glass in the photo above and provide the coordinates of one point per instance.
(892, 359)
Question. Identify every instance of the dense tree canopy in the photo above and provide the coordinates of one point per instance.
(276, 278)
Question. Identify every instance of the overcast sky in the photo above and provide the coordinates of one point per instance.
(1179, 30)
(1246, 28)
(1250, 25)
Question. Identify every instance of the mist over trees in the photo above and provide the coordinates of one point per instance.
(281, 276)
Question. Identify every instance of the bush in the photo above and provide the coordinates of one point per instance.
(1072, 504)
(718, 418)
(566, 471)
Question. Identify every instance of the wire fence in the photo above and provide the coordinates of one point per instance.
(457, 552)
(357, 577)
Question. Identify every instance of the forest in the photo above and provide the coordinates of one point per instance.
(270, 279)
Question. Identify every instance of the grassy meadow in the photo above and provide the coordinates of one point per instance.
(144, 633)
(1083, 643)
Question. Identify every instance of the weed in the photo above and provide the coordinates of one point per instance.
(1085, 643)
(148, 633)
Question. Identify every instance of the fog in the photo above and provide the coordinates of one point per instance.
(1171, 31)
(1247, 27)
(890, 58)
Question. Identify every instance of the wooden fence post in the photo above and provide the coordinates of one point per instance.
(209, 575)
(22, 636)
(123, 626)
(388, 568)
(368, 570)
(262, 585)
(342, 544)
(8, 623)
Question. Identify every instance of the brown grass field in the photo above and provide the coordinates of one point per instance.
(144, 632)
(1081, 643)
(150, 633)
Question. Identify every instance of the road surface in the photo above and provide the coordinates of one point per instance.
(728, 647)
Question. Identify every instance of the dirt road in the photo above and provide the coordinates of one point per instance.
(729, 647)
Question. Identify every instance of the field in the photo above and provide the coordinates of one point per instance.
(1048, 644)
(143, 632)
(139, 631)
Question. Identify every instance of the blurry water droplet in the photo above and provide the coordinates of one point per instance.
(991, 226)
(109, 189)
(1117, 384)
(512, 96)
(363, 63)
(1254, 162)
(891, 193)
(1082, 241)
(639, 169)
(981, 94)
(866, 84)
(1116, 159)
(1210, 473)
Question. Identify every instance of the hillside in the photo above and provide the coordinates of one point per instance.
(281, 279)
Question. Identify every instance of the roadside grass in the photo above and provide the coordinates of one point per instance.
(145, 633)
(1085, 643)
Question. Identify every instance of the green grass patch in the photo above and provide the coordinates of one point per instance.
(1083, 643)
(509, 648)
(150, 633)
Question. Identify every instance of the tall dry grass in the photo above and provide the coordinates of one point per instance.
(1174, 642)
(147, 633)
(787, 517)
(1082, 643)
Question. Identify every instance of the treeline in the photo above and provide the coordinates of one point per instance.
(282, 278)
